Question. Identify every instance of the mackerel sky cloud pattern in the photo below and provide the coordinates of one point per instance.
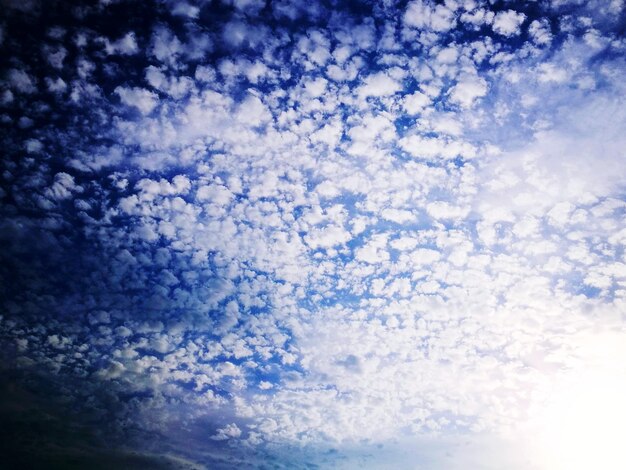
(312, 234)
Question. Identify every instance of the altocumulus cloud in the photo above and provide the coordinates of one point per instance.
(290, 234)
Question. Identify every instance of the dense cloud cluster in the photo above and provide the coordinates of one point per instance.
(244, 233)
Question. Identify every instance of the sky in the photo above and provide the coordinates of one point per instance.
(300, 234)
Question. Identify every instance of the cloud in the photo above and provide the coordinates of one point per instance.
(21, 81)
(507, 23)
(126, 45)
(540, 31)
(432, 148)
(55, 57)
(379, 84)
(57, 85)
(424, 14)
(467, 90)
(478, 17)
(166, 47)
(185, 9)
(144, 100)
(63, 187)
(252, 111)
(228, 432)
(280, 233)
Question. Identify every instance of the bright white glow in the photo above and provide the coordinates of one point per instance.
(584, 423)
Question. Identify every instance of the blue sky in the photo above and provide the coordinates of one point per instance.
(288, 234)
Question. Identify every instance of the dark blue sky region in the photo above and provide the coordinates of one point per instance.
(311, 234)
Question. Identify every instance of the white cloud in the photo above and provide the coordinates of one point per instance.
(217, 194)
(252, 111)
(315, 47)
(478, 17)
(427, 256)
(316, 87)
(539, 31)
(416, 102)
(467, 90)
(507, 23)
(126, 45)
(113, 371)
(63, 187)
(234, 33)
(185, 9)
(436, 147)
(377, 85)
(397, 215)
(444, 210)
(448, 55)
(144, 100)
(166, 47)
(423, 14)
(374, 251)
(327, 237)
(548, 72)
(176, 87)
